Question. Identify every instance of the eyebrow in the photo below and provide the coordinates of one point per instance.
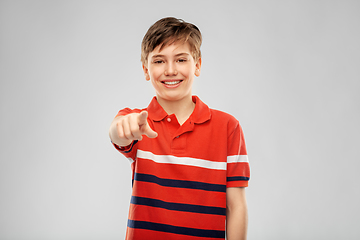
(177, 55)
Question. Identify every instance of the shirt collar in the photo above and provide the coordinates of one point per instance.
(156, 112)
(200, 114)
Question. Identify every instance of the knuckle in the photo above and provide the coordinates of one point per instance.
(135, 132)
(121, 134)
(119, 130)
(128, 135)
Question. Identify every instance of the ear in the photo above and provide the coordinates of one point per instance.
(146, 72)
(198, 67)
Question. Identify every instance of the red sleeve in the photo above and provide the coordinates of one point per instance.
(127, 111)
(129, 151)
(238, 169)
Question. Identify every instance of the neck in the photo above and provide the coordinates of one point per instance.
(182, 108)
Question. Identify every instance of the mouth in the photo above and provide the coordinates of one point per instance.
(171, 83)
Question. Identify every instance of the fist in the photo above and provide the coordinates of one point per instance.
(131, 127)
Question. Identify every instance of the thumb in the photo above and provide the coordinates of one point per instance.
(149, 132)
(144, 125)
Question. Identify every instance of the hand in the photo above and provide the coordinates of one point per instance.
(128, 128)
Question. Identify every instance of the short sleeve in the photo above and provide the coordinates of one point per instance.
(129, 151)
(238, 168)
(127, 111)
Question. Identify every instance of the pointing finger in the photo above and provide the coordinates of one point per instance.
(142, 118)
(144, 126)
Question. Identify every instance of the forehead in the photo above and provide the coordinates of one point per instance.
(170, 49)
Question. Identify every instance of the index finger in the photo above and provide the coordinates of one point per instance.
(142, 118)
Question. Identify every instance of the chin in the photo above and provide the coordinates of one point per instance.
(175, 97)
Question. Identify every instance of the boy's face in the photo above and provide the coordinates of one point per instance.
(171, 71)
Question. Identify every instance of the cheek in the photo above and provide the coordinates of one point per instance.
(186, 70)
(155, 72)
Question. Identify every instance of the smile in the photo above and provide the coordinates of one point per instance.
(174, 82)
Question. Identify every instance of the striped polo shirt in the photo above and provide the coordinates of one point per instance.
(180, 177)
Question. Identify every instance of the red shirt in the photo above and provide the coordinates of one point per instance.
(180, 177)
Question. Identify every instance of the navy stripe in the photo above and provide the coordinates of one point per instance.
(175, 229)
(178, 206)
(238, 178)
(179, 183)
(132, 145)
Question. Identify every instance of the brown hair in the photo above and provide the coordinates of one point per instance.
(167, 31)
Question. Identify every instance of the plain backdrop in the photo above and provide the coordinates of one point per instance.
(289, 70)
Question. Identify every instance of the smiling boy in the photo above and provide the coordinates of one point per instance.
(189, 162)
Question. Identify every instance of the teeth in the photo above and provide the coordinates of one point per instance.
(172, 82)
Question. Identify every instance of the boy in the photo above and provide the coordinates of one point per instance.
(189, 162)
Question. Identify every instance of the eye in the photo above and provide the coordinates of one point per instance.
(182, 60)
(158, 61)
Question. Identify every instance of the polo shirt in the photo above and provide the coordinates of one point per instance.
(180, 177)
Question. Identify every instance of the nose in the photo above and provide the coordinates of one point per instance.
(170, 70)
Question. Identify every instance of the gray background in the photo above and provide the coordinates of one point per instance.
(288, 70)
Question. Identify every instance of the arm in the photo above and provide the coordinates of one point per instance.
(125, 129)
(236, 214)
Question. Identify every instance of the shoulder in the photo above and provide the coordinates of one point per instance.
(154, 106)
(224, 122)
(223, 117)
(203, 113)
(127, 111)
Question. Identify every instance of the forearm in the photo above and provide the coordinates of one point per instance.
(237, 216)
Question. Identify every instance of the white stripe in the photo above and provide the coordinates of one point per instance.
(237, 158)
(130, 159)
(181, 160)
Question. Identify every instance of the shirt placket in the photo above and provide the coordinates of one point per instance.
(178, 136)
